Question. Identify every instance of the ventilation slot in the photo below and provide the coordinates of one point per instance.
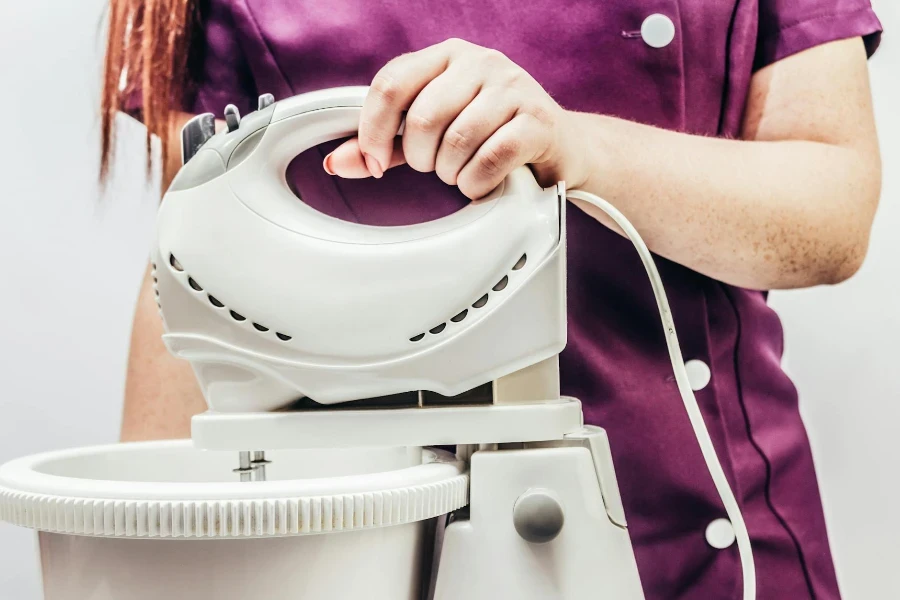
(155, 288)
(521, 263)
(218, 303)
(480, 303)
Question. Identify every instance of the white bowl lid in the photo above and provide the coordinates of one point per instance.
(169, 489)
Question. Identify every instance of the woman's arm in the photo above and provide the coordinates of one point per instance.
(790, 205)
(161, 392)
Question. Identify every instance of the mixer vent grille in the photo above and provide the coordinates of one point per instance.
(480, 303)
(197, 288)
(233, 518)
(155, 287)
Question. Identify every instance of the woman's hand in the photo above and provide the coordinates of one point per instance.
(472, 116)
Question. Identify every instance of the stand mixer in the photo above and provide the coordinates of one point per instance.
(332, 355)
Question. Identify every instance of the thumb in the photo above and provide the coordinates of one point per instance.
(348, 161)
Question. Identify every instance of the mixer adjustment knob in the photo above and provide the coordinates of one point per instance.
(195, 133)
(232, 117)
(265, 101)
(538, 516)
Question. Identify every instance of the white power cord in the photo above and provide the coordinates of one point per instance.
(684, 387)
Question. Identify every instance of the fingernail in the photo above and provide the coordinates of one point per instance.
(373, 166)
(326, 164)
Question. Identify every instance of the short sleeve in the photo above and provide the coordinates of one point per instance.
(787, 27)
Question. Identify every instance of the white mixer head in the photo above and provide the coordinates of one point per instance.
(272, 301)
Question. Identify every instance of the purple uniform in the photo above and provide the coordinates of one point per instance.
(592, 56)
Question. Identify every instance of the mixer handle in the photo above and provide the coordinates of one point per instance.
(326, 115)
(251, 160)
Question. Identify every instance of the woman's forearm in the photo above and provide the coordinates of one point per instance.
(758, 214)
(789, 205)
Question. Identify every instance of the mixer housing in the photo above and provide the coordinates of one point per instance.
(271, 300)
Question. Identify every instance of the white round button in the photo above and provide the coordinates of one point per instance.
(698, 374)
(658, 31)
(720, 534)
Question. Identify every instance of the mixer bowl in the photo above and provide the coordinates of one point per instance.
(164, 520)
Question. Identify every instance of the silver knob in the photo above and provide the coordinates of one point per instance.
(265, 101)
(538, 516)
(195, 133)
(232, 117)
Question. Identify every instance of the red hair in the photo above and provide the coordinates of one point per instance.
(147, 58)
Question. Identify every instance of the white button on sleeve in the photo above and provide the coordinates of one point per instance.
(658, 31)
(720, 534)
(698, 374)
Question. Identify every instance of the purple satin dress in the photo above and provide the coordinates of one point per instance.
(591, 56)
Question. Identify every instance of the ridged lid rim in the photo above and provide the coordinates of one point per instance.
(261, 517)
(32, 495)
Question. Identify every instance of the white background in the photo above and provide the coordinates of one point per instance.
(70, 266)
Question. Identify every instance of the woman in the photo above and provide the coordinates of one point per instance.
(737, 136)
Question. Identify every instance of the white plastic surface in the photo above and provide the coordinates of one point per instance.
(372, 564)
(484, 558)
(596, 440)
(346, 298)
(169, 489)
(551, 420)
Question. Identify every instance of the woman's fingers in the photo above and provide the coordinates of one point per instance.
(432, 112)
(347, 160)
(472, 115)
(477, 122)
(393, 90)
(516, 143)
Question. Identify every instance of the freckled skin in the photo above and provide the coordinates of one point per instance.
(161, 392)
(788, 205)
